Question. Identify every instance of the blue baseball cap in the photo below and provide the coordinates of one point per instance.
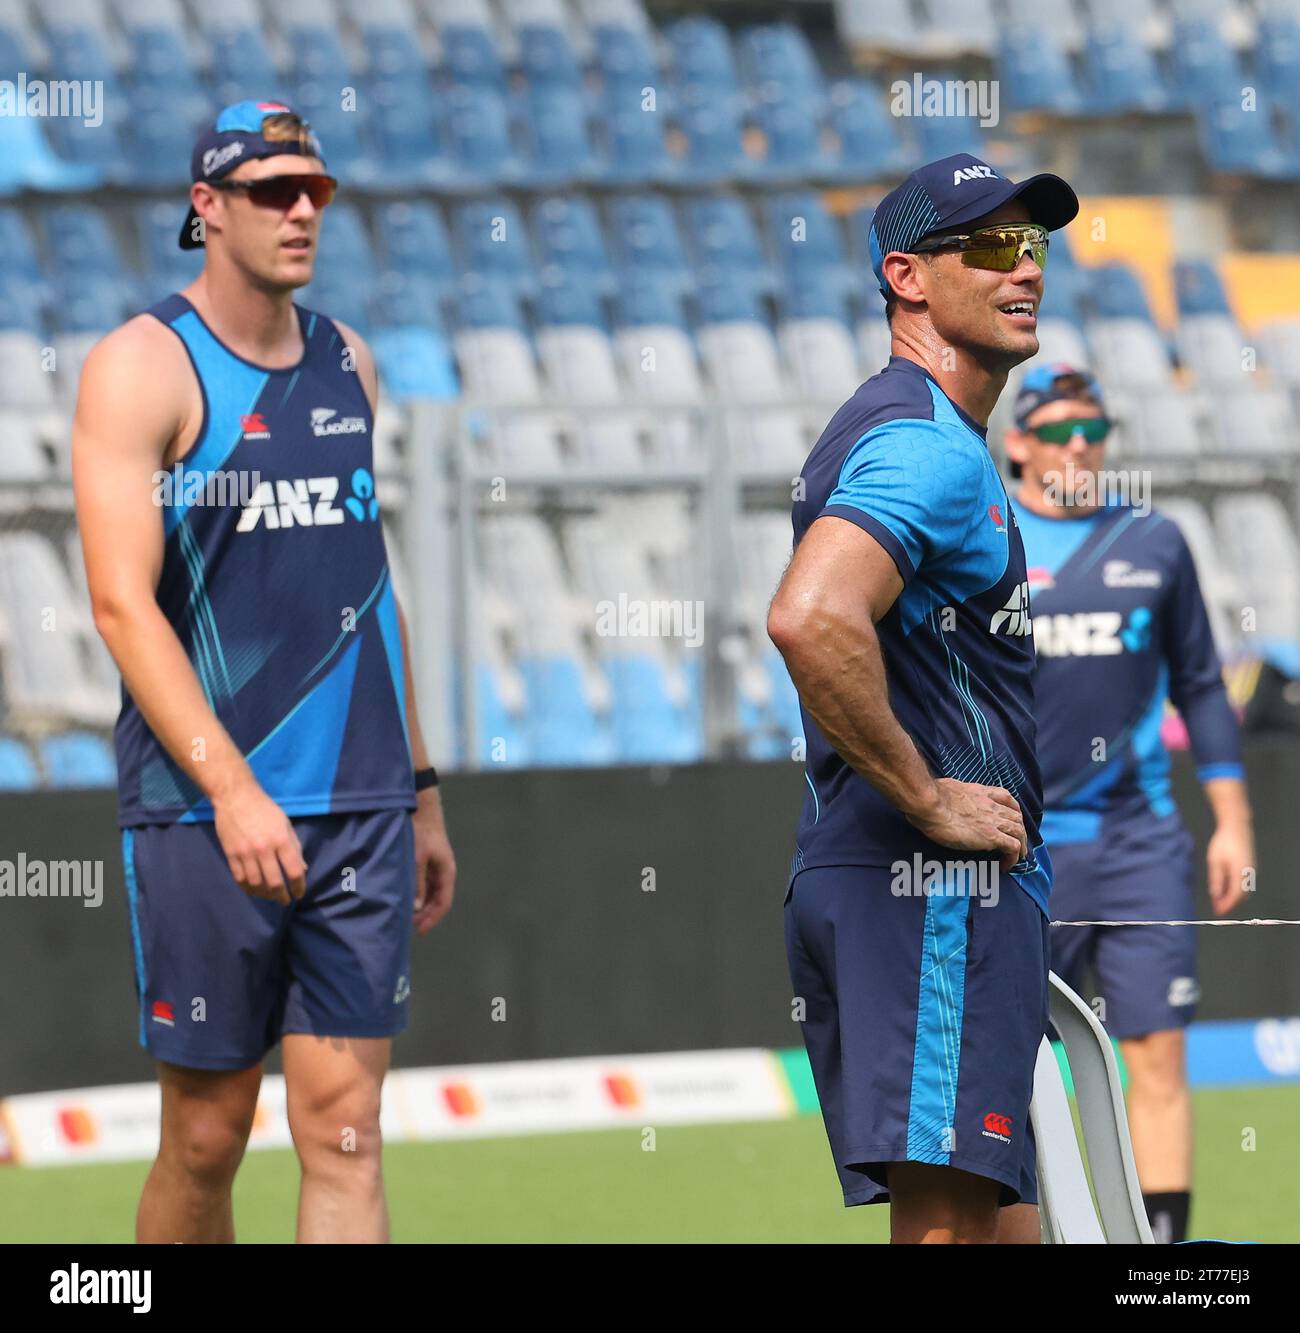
(235, 137)
(956, 190)
(1049, 384)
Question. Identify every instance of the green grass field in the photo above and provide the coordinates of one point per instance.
(768, 1182)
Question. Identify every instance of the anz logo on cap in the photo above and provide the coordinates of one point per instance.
(974, 173)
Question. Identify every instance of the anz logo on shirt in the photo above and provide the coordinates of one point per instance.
(1093, 633)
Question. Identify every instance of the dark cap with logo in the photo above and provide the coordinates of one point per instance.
(1054, 382)
(956, 190)
(235, 137)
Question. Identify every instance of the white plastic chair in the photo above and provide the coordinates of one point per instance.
(1067, 1213)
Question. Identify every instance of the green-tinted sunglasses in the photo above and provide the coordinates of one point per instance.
(1093, 429)
(993, 247)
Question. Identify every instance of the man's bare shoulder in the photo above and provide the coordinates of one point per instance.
(143, 350)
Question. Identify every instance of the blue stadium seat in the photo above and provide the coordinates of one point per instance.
(406, 137)
(723, 299)
(345, 242)
(1199, 288)
(18, 259)
(723, 236)
(160, 58)
(644, 236)
(1034, 73)
(487, 303)
(816, 295)
(554, 119)
(78, 759)
(625, 59)
(644, 302)
(334, 292)
(492, 240)
(561, 727)
(1120, 74)
(942, 136)
(632, 144)
(546, 57)
(777, 56)
(648, 727)
(73, 140)
(316, 56)
(1204, 65)
(803, 232)
(415, 362)
(569, 236)
(794, 152)
(413, 241)
(1114, 291)
(709, 119)
(1277, 52)
(17, 769)
(1243, 142)
(869, 142)
(241, 67)
(502, 742)
(569, 298)
(471, 58)
(479, 135)
(80, 240)
(21, 304)
(159, 133)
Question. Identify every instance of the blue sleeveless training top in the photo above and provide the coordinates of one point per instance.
(275, 579)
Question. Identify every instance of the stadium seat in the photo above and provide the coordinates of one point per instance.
(492, 242)
(724, 238)
(17, 769)
(867, 135)
(76, 759)
(1258, 539)
(557, 147)
(877, 25)
(412, 242)
(1242, 141)
(1120, 74)
(645, 239)
(1254, 420)
(242, 69)
(1219, 586)
(568, 236)
(1035, 74)
(479, 136)
(1205, 66)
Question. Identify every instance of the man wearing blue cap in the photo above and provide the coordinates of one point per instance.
(281, 828)
(916, 913)
(1121, 626)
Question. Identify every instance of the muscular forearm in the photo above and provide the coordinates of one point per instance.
(838, 670)
(167, 692)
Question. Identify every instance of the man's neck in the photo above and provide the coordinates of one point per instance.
(970, 383)
(255, 323)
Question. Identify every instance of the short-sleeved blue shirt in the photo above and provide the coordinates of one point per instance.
(908, 466)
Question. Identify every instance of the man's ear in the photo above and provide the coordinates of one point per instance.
(901, 273)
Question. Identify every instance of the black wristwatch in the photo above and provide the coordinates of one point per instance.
(425, 777)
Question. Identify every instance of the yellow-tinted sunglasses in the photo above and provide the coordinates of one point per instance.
(999, 247)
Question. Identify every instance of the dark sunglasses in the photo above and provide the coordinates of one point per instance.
(1093, 429)
(993, 247)
(282, 192)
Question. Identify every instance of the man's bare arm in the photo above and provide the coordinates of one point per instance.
(129, 407)
(822, 619)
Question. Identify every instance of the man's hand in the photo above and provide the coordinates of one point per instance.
(435, 863)
(972, 817)
(1230, 853)
(261, 847)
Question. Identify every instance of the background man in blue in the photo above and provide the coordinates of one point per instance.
(277, 851)
(904, 621)
(1121, 626)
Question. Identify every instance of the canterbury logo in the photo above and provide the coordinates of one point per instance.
(1013, 618)
(998, 1126)
(304, 502)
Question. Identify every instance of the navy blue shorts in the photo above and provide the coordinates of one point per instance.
(923, 1020)
(1145, 975)
(221, 975)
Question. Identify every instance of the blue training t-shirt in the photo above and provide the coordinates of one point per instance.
(913, 470)
(1120, 626)
(275, 578)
